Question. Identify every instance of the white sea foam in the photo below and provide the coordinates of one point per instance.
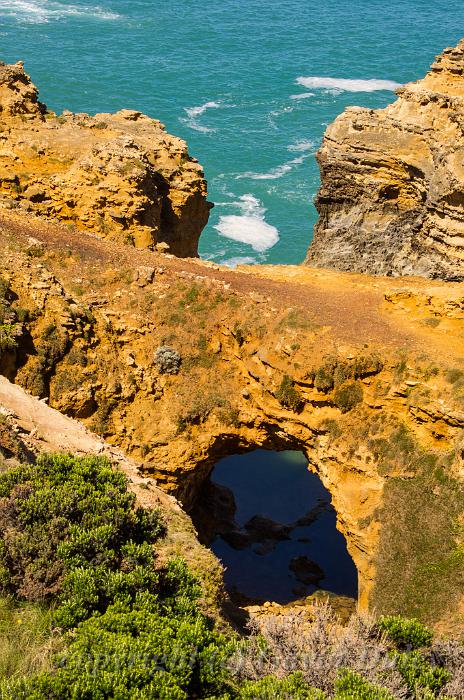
(302, 96)
(42, 11)
(281, 170)
(301, 146)
(193, 124)
(249, 226)
(193, 113)
(281, 112)
(273, 174)
(345, 84)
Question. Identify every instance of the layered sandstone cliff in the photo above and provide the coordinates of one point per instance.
(392, 195)
(118, 176)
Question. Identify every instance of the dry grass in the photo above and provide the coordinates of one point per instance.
(422, 536)
(27, 639)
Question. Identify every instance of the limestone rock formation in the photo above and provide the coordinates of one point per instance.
(92, 316)
(118, 176)
(392, 195)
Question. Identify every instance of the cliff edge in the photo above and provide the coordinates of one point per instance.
(392, 195)
(118, 176)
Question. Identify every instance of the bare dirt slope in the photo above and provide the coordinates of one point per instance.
(353, 307)
(44, 429)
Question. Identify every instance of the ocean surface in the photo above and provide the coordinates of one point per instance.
(278, 485)
(250, 84)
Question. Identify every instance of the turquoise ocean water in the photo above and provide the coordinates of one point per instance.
(250, 84)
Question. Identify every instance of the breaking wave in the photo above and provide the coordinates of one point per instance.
(193, 114)
(43, 11)
(302, 96)
(344, 84)
(302, 147)
(249, 226)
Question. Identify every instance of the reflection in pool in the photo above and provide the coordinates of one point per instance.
(265, 560)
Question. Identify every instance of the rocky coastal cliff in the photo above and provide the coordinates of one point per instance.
(119, 176)
(391, 200)
(341, 367)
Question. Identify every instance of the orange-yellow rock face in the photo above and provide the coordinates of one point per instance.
(392, 195)
(118, 176)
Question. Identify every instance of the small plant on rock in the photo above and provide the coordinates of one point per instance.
(288, 396)
(167, 360)
(348, 395)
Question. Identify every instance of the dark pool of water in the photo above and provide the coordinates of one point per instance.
(279, 486)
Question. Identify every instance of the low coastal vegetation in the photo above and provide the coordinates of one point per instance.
(89, 612)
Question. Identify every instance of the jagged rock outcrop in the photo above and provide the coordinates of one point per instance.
(118, 176)
(392, 195)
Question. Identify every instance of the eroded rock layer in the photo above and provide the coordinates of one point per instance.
(118, 176)
(392, 195)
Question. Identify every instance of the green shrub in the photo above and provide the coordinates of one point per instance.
(288, 396)
(134, 652)
(64, 516)
(71, 531)
(348, 396)
(454, 375)
(366, 365)
(335, 372)
(432, 321)
(324, 377)
(4, 288)
(239, 334)
(52, 346)
(23, 315)
(331, 426)
(8, 337)
(269, 688)
(352, 686)
(400, 370)
(229, 416)
(419, 674)
(201, 404)
(405, 633)
(77, 357)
